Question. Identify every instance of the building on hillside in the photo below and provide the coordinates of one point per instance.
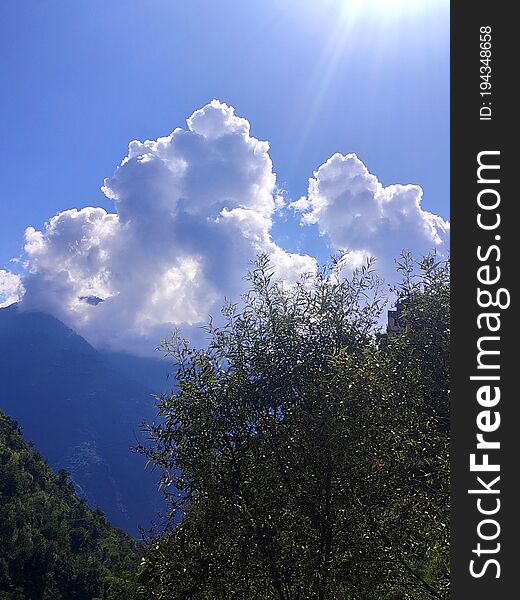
(395, 324)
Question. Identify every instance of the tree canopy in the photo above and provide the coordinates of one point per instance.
(302, 457)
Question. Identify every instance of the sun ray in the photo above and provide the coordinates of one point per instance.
(383, 19)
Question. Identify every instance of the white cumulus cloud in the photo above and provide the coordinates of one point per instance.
(362, 217)
(192, 210)
(11, 288)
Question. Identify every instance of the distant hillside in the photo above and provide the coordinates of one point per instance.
(81, 411)
(154, 373)
(51, 544)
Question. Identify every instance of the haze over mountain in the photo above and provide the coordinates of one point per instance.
(153, 373)
(81, 411)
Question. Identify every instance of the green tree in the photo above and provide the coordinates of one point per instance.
(308, 461)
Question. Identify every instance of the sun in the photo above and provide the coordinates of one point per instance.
(388, 8)
(380, 25)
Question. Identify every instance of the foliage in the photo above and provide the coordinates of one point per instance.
(53, 546)
(308, 461)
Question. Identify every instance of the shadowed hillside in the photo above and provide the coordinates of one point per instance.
(52, 544)
(80, 411)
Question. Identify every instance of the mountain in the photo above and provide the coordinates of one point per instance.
(153, 373)
(82, 412)
(52, 544)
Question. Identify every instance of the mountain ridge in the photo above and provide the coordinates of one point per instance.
(82, 412)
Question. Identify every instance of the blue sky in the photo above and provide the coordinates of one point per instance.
(83, 78)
